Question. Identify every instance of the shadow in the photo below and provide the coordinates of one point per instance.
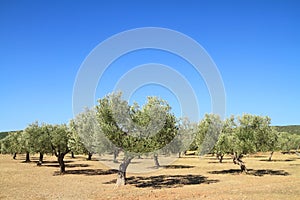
(54, 161)
(119, 161)
(88, 172)
(67, 165)
(214, 158)
(31, 161)
(217, 162)
(177, 166)
(46, 162)
(229, 171)
(294, 164)
(258, 156)
(166, 181)
(263, 172)
(260, 172)
(288, 153)
(274, 160)
(189, 156)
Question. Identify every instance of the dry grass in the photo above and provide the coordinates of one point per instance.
(186, 178)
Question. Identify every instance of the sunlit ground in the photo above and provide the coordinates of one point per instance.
(186, 178)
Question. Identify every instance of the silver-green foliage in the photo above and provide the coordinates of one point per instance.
(209, 129)
(136, 129)
(89, 137)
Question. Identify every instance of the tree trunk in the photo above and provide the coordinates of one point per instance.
(89, 156)
(220, 157)
(297, 151)
(14, 156)
(179, 154)
(116, 153)
(121, 180)
(155, 157)
(60, 159)
(40, 159)
(237, 160)
(27, 157)
(271, 154)
(72, 155)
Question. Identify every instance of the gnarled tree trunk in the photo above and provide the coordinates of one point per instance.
(297, 151)
(270, 157)
(116, 153)
(237, 160)
(121, 180)
(155, 157)
(60, 159)
(89, 156)
(40, 159)
(14, 156)
(27, 157)
(220, 157)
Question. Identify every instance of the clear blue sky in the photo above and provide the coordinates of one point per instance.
(255, 44)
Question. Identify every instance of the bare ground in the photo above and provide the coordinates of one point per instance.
(186, 178)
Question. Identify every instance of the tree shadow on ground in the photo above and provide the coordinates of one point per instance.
(166, 181)
(215, 159)
(119, 161)
(46, 162)
(215, 162)
(259, 156)
(294, 164)
(274, 160)
(88, 172)
(189, 156)
(177, 166)
(67, 165)
(252, 172)
(55, 161)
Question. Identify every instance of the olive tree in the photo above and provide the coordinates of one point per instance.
(38, 139)
(209, 129)
(272, 142)
(135, 129)
(25, 144)
(11, 143)
(59, 138)
(224, 143)
(185, 136)
(252, 134)
(87, 134)
(288, 141)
